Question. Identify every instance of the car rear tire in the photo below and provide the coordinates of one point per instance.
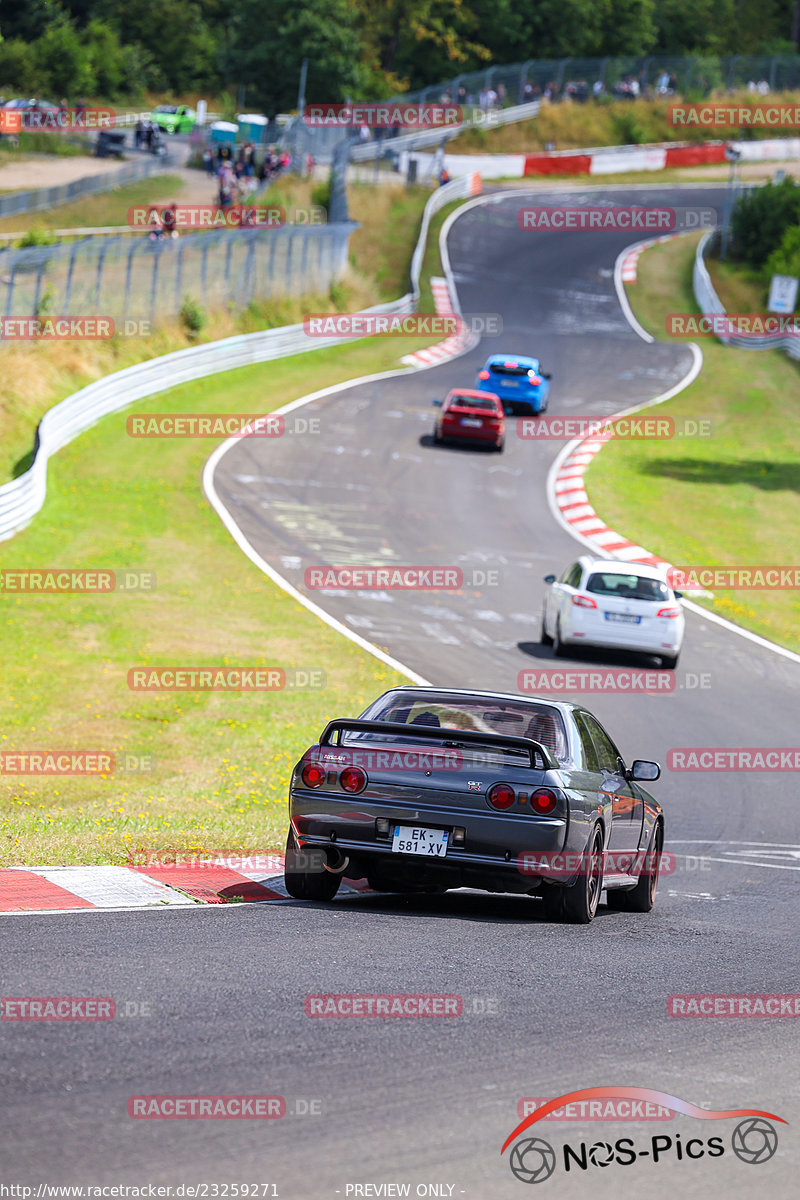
(579, 902)
(305, 876)
(641, 898)
(669, 662)
(437, 438)
(500, 445)
(544, 636)
(559, 649)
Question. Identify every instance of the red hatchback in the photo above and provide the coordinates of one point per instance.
(471, 417)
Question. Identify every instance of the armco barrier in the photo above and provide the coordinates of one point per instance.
(608, 160)
(22, 498)
(41, 199)
(362, 151)
(709, 303)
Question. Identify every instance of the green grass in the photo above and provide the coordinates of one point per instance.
(223, 759)
(106, 208)
(727, 499)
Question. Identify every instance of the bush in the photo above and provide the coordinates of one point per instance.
(321, 194)
(193, 317)
(786, 259)
(37, 236)
(761, 218)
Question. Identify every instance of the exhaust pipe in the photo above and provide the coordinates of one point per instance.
(335, 861)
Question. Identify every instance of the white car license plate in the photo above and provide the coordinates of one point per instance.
(410, 840)
(624, 617)
(475, 422)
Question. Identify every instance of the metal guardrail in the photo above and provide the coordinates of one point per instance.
(39, 199)
(710, 304)
(22, 498)
(363, 151)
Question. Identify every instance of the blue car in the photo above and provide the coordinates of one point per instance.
(519, 382)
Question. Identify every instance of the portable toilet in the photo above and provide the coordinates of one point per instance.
(223, 133)
(252, 127)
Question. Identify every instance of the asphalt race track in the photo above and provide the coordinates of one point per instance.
(548, 1008)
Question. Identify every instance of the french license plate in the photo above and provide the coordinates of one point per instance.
(475, 422)
(409, 840)
(624, 617)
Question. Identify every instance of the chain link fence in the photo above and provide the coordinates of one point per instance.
(135, 277)
(577, 77)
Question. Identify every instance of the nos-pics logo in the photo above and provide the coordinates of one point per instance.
(533, 1160)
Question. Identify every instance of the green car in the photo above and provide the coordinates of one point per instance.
(174, 118)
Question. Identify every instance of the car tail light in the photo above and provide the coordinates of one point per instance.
(353, 779)
(534, 378)
(584, 601)
(500, 796)
(484, 374)
(668, 612)
(543, 801)
(313, 775)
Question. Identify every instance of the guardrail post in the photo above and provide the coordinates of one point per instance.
(178, 279)
(154, 284)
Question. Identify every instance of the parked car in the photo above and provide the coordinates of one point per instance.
(471, 416)
(174, 118)
(613, 604)
(435, 788)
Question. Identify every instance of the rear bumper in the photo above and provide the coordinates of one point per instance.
(489, 858)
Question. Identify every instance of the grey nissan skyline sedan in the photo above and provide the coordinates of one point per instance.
(438, 788)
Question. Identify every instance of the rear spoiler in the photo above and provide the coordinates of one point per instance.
(449, 738)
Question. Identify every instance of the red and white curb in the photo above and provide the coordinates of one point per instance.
(452, 346)
(567, 484)
(188, 884)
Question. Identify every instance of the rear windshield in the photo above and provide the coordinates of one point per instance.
(499, 369)
(519, 718)
(626, 587)
(473, 402)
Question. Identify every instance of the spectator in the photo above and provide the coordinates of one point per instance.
(501, 95)
(598, 89)
(208, 161)
(138, 133)
(762, 87)
(444, 176)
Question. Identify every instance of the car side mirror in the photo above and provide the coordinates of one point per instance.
(549, 578)
(678, 595)
(437, 403)
(644, 771)
(545, 375)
